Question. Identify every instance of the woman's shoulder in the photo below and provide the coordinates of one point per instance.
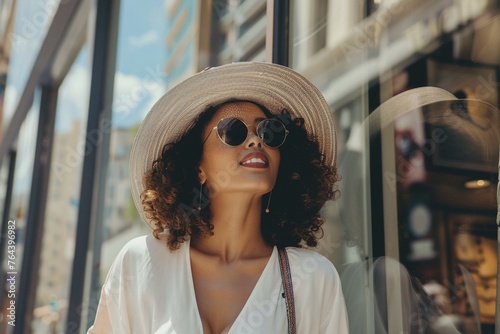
(306, 263)
(145, 248)
(139, 244)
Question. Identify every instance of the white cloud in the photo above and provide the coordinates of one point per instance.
(143, 40)
(155, 94)
(124, 83)
(133, 93)
(73, 99)
(128, 93)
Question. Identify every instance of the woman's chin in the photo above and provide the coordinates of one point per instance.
(250, 188)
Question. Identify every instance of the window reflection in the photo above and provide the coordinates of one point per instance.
(413, 238)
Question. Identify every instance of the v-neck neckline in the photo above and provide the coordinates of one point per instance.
(270, 261)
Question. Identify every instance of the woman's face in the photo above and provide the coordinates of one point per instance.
(231, 168)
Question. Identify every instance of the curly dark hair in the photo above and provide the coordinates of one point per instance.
(304, 183)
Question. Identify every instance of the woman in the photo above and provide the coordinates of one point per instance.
(228, 168)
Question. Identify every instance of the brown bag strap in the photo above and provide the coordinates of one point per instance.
(286, 277)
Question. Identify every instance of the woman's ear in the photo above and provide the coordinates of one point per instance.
(201, 176)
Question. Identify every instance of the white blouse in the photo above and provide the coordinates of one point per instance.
(149, 289)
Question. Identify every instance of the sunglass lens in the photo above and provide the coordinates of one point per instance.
(272, 132)
(232, 131)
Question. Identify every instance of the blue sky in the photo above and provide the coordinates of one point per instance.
(141, 57)
(141, 39)
(140, 61)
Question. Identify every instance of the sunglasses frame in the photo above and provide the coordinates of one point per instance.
(248, 131)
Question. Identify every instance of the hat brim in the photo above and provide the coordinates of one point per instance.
(273, 86)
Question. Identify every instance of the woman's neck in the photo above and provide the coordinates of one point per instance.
(237, 235)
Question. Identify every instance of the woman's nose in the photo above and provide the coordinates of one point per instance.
(253, 139)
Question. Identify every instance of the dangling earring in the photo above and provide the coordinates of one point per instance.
(268, 202)
(201, 190)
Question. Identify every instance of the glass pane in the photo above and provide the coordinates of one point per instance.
(140, 79)
(414, 227)
(238, 31)
(318, 27)
(58, 243)
(20, 196)
(444, 175)
(32, 20)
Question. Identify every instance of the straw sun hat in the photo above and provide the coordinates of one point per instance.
(273, 86)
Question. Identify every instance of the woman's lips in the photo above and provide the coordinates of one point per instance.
(255, 160)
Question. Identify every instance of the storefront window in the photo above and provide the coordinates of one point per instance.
(408, 223)
(413, 230)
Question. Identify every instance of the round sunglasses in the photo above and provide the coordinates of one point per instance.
(233, 132)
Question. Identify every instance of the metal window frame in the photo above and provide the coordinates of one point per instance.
(6, 212)
(36, 211)
(92, 191)
(278, 32)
